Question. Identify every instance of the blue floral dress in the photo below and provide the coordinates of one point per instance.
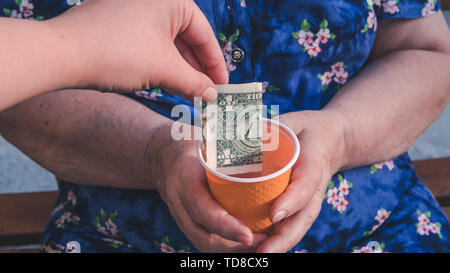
(304, 52)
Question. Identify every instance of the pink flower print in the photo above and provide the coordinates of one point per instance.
(102, 230)
(59, 223)
(333, 196)
(390, 6)
(313, 49)
(243, 4)
(342, 204)
(344, 188)
(423, 229)
(111, 227)
(379, 166)
(165, 248)
(75, 218)
(305, 37)
(310, 41)
(264, 86)
(72, 198)
(341, 77)
(326, 78)
(425, 226)
(16, 14)
(230, 65)
(26, 8)
(423, 219)
(301, 251)
(434, 228)
(338, 67)
(323, 35)
(429, 8)
(65, 216)
(381, 216)
(372, 21)
(58, 208)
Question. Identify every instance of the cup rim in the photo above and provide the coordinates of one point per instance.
(261, 178)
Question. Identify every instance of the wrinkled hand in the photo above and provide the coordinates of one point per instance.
(137, 44)
(182, 184)
(321, 154)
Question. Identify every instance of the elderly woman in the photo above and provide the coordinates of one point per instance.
(358, 81)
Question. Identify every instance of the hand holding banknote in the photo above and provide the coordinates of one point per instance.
(144, 44)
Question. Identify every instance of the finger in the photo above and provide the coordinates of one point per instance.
(187, 54)
(199, 36)
(305, 180)
(292, 230)
(179, 77)
(203, 240)
(204, 210)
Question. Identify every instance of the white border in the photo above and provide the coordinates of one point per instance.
(262, 178)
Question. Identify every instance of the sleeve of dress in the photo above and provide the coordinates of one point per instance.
(407, 9)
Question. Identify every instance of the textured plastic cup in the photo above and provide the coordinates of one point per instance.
(248, 197)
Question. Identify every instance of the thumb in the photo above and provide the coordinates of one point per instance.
(180, 78)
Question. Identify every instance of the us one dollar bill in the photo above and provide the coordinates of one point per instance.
(232, 129)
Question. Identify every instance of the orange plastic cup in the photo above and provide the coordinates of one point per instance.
(248, 197)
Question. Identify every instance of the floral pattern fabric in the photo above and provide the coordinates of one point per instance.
(304, 52)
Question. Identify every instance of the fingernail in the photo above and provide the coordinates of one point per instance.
(279, 216)
(210, 94)
(245, 240)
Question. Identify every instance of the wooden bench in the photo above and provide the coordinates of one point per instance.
(24, 216)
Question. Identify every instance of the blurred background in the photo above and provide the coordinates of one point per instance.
(20, 174)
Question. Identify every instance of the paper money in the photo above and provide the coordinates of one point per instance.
(232, 129)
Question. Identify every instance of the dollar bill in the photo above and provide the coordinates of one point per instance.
(232, 129)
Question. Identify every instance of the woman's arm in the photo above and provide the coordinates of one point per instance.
(376, 116)
(399, 93)
(86, 137)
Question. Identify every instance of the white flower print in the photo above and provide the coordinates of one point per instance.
(323, 35)
(372, 21)
(227, 45)
(313, 49)
(335, 196)
(337, 74)
(73, 247)
(344, 187)
(342, 204)
(382, 215)
(310, 41)
(16, 14)
(154, 94)
(326, 78)
(341, 77)
(429, 8)
(423, 219)
(390, 6)
(425, 226)
(243, 4)
(26, 8)
(338, 68)
(165, 248)
(434, 228)
(423, 229)
(305, 37)
(379, 166)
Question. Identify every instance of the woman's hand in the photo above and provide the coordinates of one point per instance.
(137, 44)
(182, 184)
(321, 155)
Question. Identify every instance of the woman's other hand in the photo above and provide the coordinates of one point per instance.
(182, 184)
(321, 155)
